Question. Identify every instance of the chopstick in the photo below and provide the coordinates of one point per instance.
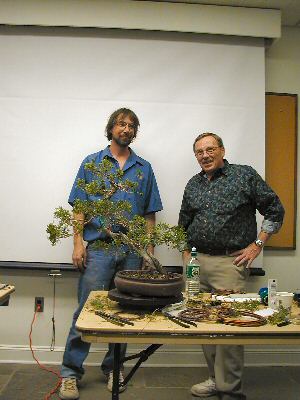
(114, 319)
(180, 321)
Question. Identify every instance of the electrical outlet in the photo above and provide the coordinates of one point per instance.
(39, 304)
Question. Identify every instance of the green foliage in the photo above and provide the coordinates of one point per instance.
(62, 228)
(248, 305)
(162, 233)
(279, 316)
(98, 303)
(134, 232)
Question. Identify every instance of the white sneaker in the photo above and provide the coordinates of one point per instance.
(110, 382)
(68, 389)
(204, 389)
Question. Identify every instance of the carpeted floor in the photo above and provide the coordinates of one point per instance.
(29, 382)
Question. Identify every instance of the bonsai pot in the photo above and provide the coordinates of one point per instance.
(143, 283)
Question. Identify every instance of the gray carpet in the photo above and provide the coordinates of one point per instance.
(28, 382)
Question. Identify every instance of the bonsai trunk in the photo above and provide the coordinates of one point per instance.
(151, 262)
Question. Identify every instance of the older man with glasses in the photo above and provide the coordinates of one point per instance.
(218, 212)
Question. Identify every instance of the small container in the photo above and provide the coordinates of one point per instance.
(272, 289)
(263, 292)
(284, 299)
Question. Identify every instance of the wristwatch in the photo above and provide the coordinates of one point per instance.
(259, 243)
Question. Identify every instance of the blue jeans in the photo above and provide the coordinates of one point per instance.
(101, 267)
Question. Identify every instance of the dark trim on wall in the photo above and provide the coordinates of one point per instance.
(11, 265)
(36, 265)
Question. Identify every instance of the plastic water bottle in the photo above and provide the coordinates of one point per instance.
(192, 284)
(272, 289)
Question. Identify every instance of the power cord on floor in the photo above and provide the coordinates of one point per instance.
(54, 390)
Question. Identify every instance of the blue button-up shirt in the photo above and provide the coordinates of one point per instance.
(135, 169)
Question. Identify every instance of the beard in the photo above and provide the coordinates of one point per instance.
(122, 142)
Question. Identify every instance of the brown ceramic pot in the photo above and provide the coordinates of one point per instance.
(149, 284)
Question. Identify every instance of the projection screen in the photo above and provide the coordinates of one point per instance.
(59, 86)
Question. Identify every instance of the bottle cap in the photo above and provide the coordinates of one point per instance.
(194, 252)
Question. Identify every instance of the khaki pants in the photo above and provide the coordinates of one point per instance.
(225, 363)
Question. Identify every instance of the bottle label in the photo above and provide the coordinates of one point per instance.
(192, 271)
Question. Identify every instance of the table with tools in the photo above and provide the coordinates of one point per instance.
(5, 292)
(112, 323)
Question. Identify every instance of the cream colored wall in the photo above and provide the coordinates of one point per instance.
(156, 16)
(283, 76)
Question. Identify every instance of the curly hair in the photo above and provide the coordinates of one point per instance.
(125, 112)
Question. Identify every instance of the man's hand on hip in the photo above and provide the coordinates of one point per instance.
(79, 256)
(246, 256)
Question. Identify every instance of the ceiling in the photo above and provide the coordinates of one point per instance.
(290, 9)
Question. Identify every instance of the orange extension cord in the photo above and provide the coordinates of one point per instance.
(48, 395)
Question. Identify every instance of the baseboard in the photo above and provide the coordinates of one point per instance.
(165, 356)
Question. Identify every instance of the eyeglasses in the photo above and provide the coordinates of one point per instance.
(210, 151)
(123, 124)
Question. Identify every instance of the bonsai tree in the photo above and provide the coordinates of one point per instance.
(133, 232)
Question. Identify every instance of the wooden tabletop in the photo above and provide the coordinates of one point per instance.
(155, 328)
(5, 293)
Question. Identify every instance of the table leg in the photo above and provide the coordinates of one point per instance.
(116, 372)
(4, 301)
(143, 356)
